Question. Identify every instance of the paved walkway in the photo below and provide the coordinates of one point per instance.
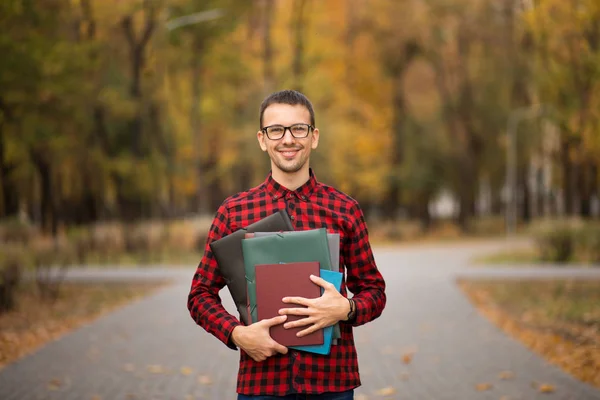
(152, 349)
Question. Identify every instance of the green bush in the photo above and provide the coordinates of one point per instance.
(82, 244)
(568, 240)
(587, 244)
(13, 230)
(555, 241)
(12, 263)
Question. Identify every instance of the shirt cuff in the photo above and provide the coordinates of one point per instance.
(229, 332)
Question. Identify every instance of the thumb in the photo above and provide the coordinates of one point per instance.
(280, 319)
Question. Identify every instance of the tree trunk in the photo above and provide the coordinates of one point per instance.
(268, 71)
(567, 173)
(214, 193)
(299, 33)
(526, 192)
(392, 198)
(595, 181)
(48, 203)
(9, 200)
(585, 179)
(466, 195)
(423, 213)
(137, 49)
(202, 196)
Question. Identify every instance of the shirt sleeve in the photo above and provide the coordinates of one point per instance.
(363, 278)
(204, 303)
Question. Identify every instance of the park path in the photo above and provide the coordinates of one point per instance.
(152, 349)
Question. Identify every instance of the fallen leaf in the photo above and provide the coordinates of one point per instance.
(482, 387)
(54, 384)
(156, 369)
(205, 380)
(387, 391)
(545, 388)
(186, 371)
(129, 367)
(387, 350)
(505, 375)
(407, 358)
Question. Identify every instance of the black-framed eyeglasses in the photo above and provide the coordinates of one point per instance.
(276, 132)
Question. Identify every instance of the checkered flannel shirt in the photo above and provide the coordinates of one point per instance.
(313, 205)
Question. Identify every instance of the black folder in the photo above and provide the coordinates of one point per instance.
(229, 256)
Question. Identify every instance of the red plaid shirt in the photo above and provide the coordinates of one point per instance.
(313, 205)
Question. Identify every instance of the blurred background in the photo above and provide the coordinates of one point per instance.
(431, 110)
(125, 123)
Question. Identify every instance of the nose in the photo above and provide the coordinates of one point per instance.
(288, 138)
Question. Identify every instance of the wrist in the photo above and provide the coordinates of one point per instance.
(352, 310)
(235, 335)
(349, 309)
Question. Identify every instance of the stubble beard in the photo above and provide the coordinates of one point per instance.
(295, 166)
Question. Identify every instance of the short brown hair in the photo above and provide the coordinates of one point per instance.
(291, 97)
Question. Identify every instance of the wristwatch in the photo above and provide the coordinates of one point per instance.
(352, 312)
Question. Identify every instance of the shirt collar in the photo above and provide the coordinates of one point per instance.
(277, 190)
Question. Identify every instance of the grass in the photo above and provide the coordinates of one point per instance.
(35, 322)
(165, 258)
(523, 256)
(515, 257)
(559, 320)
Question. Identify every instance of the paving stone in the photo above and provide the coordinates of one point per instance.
(430, 343)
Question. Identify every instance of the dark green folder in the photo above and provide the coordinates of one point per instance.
(334, 247)
(296, 246)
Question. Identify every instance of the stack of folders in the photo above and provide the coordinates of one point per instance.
(230, 259)
(278, 265)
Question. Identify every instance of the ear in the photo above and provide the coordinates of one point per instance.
(314, 142)
(261, 140)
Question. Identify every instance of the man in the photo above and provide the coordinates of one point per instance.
(288, 135)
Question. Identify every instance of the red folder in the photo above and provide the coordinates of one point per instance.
(276, 281)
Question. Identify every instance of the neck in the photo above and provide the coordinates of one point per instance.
(291, 180)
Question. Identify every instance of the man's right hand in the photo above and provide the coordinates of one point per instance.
(255, 339)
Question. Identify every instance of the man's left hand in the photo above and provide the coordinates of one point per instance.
(321, 312)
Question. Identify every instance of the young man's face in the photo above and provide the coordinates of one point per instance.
(288, 154)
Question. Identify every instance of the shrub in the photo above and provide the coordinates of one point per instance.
(555, 241)
(12, 264)
(587, 243)
(107, 240)
(13, 230)
(82, 244)
(52, 258)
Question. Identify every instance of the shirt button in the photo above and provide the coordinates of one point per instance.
(292, 217)
(303, 197)
(275, 197)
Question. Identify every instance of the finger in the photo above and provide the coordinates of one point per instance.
(280, 348)
(294, 311)
(297, 300)
(275, 320)
(308, 331)
(322, 282)
(298, 323)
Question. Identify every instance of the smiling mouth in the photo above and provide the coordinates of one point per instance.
(289, 152)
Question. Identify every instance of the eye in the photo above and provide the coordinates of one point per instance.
(275, 129)
(299, 128)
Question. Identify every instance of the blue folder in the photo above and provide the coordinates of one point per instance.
(334, 277)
